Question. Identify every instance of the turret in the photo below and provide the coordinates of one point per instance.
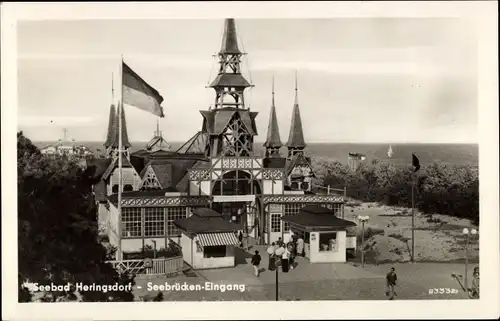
(273, 141)
(296, 142)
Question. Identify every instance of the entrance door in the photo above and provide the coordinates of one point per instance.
(234, 196)
(231, 211)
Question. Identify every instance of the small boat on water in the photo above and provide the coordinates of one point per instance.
(390, 152)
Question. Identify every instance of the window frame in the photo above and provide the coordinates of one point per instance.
(131, 221)
(154, 221)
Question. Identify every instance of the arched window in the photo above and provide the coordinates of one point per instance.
(128, 188)
(114, 190)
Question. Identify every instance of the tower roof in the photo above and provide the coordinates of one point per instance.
(273, 139)
(296, 136)
(230, 39)
(116, 140)
(111, 126)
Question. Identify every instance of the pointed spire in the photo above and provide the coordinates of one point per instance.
(125, 141)
(273, 134)
(296, 136)
(111, 127)
(230, 39)
(157, 133)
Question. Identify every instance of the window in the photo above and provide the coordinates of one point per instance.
(128, 188)
(275, 223)
(291, 209)
(328, 242)
(174, 213)
(154, 221)
(337, 208)
(214, 251)
(131, 222)
(114, 189)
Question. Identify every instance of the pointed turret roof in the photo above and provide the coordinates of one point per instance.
(296, 136)
(116, 140)
(273, 139)
(111, 126)
(230, 39)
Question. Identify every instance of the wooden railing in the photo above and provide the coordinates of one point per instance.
(330, 190)
(157, 267)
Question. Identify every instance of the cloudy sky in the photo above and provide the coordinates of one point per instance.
(360, 79)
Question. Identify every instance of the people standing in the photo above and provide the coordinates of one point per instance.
(240, 239)
(270, 252)
(245, 240)
(391, 279)
(300, 246)
(256, 262)
(291, 259)
(279, 242)
(285, 259)
(475, 283)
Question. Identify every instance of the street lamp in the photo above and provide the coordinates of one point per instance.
(467, 234)
(363, 219)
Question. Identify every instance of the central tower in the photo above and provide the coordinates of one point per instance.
(229, 124)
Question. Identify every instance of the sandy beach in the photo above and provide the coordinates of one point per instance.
(438, 238)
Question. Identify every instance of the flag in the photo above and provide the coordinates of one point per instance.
(415, 163)
(137, 93)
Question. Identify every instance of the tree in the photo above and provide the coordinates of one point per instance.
(57, 227)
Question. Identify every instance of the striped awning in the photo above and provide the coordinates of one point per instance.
(217, 239)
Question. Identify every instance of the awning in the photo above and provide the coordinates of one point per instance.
(217, 239)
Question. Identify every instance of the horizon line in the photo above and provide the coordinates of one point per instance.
(312, 142)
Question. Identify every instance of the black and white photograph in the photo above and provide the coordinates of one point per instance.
(239, 153)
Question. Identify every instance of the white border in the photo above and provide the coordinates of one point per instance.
(484, 12)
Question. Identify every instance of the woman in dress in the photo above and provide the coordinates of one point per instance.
(270, 252)
(285, 259)
(300, 246)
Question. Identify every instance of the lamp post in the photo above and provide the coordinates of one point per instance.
(467, 234)
(277, 282)
(363, 219)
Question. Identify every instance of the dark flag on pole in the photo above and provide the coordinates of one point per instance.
(137, 93)
(415, 163)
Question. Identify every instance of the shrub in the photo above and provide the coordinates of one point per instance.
(439, 188)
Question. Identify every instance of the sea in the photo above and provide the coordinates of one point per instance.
(450, 154)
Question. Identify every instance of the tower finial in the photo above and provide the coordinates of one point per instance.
(273, 92)
(296, 89)
(230, 39)
(112, 88)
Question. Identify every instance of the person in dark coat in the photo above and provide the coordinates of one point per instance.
(256, 262)
(240, 238)
(391, 279)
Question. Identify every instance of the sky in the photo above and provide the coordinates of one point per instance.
(360, 80)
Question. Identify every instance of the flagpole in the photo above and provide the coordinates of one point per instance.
(120, 162)
(413, 217)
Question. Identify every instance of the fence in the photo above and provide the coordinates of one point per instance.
(330, 190)
(157, 267)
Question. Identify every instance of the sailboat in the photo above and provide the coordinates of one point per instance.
(390, 152)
